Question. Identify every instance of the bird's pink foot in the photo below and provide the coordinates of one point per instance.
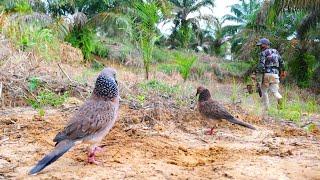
(92, 155)
(97, 149)
(92, 160)
(210, 132)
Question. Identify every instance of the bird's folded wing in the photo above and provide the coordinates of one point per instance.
(92, 117)
(214, 110)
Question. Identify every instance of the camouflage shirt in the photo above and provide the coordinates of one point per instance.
(270, 61)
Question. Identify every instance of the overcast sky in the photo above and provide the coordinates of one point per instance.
(221, 8)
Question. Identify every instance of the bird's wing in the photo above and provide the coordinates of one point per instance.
(92, 117)
(212, 109)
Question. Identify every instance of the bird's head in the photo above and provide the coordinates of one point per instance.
(204, 93)
(106, 85)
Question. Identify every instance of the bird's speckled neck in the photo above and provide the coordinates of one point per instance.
(204, 95)
(105, 87)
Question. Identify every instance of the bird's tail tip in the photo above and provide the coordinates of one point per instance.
(59, 150)
(244, 124)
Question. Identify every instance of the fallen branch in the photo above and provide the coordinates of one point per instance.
(65, 73)
(0, 90)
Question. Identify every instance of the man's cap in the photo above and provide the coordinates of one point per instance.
(263, 41)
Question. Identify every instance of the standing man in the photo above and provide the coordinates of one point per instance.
(272, 67)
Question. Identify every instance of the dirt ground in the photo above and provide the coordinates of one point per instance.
(173, 148)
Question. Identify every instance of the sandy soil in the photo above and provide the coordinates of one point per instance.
(174, 147)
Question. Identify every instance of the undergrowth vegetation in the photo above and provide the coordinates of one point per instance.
(44, 96)
(295, 108)
(32, 37)
(130, 34)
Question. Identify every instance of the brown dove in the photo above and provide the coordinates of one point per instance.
(91, 123)
(213, 110)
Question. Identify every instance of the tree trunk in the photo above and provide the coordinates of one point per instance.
(147, 71)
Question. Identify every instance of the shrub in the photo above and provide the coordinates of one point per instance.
(47, 97)
(85, 39)
(295, 108)
(302, 68)
(185, 64)
(21, 6)
(101, 50)
(31, 36)
(33, 83)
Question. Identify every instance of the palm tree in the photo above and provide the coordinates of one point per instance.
(243, 14)
(147, 19)
(184, 25)
(272, 10)
(214, 36)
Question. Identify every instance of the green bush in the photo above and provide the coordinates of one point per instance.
(295, 108)
(31, 36)
(21, 6)
(85, 39)
(101, 50)
(185, 64)
(302, 69)
(46, 97)
(33, 83)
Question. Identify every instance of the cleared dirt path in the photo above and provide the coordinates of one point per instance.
(168, 150)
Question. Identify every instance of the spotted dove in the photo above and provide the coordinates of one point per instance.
(211, 109)
(90, 124)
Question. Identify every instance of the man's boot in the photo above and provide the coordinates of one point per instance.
(280, 104)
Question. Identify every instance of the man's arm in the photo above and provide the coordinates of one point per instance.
(261, 64)
(281, 63)
(282, 71)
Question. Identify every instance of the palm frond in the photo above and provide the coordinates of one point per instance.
(229, 17)
(202, 3)
(237, 10)
(300, 4)
(177, 3)
(113, 24)
(308, 23)
(231, 29)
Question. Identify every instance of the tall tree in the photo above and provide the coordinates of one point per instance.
(148, 14)
(184, 24)
(243, 14)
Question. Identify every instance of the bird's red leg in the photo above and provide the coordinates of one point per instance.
(92, 155)
(210, 132)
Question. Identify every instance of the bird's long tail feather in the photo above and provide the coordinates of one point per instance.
(236, 121)
(61, 148)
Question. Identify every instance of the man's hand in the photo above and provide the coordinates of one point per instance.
(283, 74)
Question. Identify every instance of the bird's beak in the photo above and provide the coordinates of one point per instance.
(196, 94)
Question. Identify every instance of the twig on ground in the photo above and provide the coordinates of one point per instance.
(65, 73)
(0, 90)
(4, 140)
